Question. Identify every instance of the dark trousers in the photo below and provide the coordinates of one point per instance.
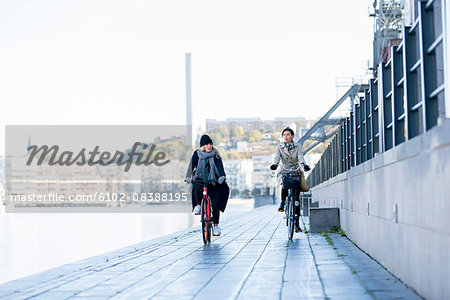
(197, 195)
(285, 193)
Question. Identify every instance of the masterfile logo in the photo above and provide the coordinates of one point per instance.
(105, 158)
(117, 168)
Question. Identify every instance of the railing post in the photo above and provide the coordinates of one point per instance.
(353, 137)
(368, 124)
(343, 147)
(374, 119)
(429, 107)
(362, 107)
(357, 117)
(446, 29)
(413, 82)
(381, 94)
(398, 79)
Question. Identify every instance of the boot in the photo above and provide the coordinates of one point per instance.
(281, 208)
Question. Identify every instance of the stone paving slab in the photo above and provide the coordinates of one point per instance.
(251, 260)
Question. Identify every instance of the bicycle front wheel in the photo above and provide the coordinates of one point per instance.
(209, 217)
(290, 217)
(206, 230)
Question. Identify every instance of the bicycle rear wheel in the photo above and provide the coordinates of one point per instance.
(290, 217)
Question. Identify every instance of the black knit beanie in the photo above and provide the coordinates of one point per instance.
(205, 139)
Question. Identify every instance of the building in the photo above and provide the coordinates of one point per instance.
(263, 182)
(239, 174)
(251, 123)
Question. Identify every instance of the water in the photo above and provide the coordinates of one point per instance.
(31, 243)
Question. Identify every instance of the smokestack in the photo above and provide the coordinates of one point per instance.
(188, 99)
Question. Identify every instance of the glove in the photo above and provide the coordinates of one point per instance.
(221, 179)
(187, 180)
(273, 167)
(307, 168)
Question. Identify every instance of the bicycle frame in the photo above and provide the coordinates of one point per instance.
(206, 216)
(206, 212)
(289, 204)
(289, 213)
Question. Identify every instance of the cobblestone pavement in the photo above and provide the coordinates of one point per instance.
(251, 260)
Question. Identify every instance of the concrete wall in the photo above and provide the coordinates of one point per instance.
(414, 177)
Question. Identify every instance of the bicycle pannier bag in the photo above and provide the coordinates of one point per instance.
(304, 186)
(292, 182)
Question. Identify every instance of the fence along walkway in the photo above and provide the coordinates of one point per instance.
(405, 99)
(252, 259)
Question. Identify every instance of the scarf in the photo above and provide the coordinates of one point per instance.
(289, 146)
(203, 159)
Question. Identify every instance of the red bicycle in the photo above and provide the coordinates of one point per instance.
(206, 213)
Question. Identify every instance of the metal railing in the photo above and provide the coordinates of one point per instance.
(403, 101)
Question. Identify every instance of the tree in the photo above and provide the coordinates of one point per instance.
(240, 131)
(234, 134)
(245, 193)
(233, 154)
(234, 193)
(253, 135)
(220, 134)
(275, 137)
(256, 192)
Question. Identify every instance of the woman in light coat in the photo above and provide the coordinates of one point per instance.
(290, 155)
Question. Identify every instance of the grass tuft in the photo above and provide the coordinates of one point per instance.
(338, 230)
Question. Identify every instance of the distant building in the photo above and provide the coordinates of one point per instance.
(62, 180)
(262, 176)
(2, 182)
(301, 132)
(250, 123)
(165, 179)
(239, 174)
(242, 146)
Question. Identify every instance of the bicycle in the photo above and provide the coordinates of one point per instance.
(291, 181)
(206, 211)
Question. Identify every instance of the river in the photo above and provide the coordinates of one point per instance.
(34, 242)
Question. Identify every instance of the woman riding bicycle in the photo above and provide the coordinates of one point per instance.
(206, 164)
(291, 156)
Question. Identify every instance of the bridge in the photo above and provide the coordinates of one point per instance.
(386, 170)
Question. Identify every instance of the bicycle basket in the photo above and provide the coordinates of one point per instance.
(292, 181)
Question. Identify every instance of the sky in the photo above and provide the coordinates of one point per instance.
(123, 62)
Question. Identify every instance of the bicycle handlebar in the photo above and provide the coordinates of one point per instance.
(290, 169)
(202, 182)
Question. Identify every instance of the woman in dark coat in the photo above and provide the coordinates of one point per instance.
(206, 164)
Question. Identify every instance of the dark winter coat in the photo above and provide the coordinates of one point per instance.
(222, 189)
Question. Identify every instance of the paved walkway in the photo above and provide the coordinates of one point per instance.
(251, 260)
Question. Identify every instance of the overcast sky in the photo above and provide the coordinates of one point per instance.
(123, 62)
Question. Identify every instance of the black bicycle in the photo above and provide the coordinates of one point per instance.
(291, 181)
(206, 213)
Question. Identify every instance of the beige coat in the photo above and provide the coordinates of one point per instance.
(281, 155)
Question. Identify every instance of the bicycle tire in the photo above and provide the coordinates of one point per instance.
(204, 221)
(286, 211)
(290, 216)
(209, 223)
